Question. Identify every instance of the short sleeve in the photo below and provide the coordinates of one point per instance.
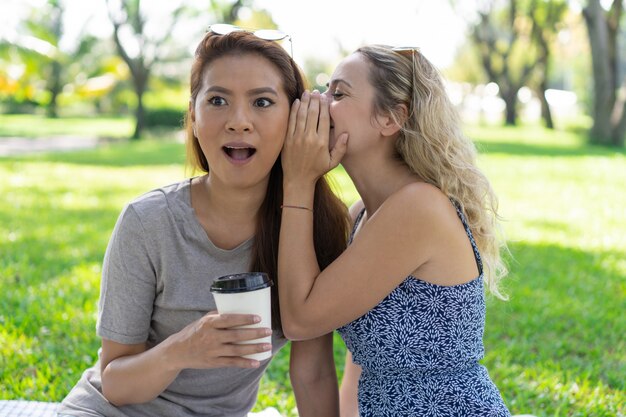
(128, 287)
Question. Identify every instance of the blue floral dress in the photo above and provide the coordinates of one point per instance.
(419, 350)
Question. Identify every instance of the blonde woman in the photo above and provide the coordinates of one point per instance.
(407, 295)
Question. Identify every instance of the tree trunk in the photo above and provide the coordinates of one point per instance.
(140, 81)
(543, 61)
(619, 116)
(608, 120)
(546, 114)
(54, 87)
(139, 69)
(619, 134)
(510, 110)
(54, 84)
(140, 118)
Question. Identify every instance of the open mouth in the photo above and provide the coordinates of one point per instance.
(239, 153)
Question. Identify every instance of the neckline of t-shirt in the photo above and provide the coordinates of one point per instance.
(194, 224)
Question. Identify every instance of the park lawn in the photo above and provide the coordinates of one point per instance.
(556, 348)
(34, 126)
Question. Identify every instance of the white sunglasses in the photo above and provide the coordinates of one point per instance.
(266, 34)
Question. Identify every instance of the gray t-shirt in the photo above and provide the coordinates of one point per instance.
(156, 276)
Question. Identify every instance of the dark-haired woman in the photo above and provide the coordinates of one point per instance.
(165, 350)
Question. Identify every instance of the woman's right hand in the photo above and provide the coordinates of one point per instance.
(212, 342)
(306, 155)
(133, 374)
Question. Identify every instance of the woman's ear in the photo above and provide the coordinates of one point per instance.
(192, 116)
(388, 125)
(191, 109)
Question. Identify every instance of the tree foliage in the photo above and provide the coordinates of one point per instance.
(48, 63)
(139, 50)
(143, 51)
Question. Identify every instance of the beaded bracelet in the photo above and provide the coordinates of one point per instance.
(296, 207)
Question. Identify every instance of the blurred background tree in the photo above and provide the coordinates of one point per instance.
(519, 55)
(41, 67)
(547, 21)
(143, 52)
(609, 75)
(140, 51)
(513, 40)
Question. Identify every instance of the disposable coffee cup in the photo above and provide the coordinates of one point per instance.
(246, 293)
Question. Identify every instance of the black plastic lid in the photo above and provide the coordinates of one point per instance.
(247, 281)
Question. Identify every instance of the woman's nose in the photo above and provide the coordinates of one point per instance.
(239, 120)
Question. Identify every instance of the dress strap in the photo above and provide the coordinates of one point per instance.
(357, 221)
(459, 212)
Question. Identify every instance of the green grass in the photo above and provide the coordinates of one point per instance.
(31, 126)
(555, 349)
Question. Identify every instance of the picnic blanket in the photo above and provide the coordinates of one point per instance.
(23, 408)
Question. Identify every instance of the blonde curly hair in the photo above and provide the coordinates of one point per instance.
(433, 146)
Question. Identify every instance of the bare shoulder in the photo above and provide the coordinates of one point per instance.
(423, 211)
(419, 200)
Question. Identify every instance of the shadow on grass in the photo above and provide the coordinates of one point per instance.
(548, 150)
(564, 316)
(531, 140)
(49, 275)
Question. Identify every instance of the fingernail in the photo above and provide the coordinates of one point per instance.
(268, 332)
(255, 364)
(257, 319)
(267, 346)
(305, 94)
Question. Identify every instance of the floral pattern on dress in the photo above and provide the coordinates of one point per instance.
(420, 348)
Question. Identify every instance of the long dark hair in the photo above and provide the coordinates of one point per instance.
(330, 215)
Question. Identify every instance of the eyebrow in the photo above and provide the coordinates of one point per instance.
(337, 81)
(262, 90)
(253, 92)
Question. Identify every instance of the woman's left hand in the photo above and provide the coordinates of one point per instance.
(306, 155)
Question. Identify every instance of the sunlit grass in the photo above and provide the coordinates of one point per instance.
(555, 349)
(55, 219)
(34, 126)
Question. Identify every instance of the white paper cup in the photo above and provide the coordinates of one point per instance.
(246, 293)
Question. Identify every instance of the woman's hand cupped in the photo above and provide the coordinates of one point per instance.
(306, 155)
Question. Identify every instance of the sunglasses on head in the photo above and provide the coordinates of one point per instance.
(406, 50)
(266, 34)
